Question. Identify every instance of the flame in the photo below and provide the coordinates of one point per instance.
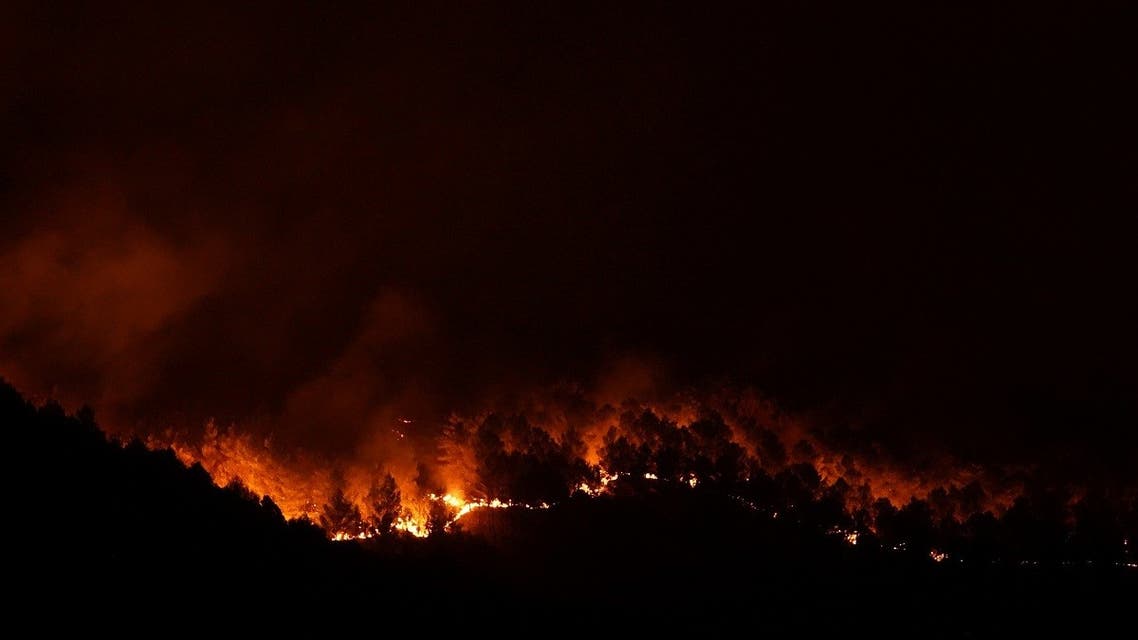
(411, 526)
(850, 536)
(419, 528)
(474, 449)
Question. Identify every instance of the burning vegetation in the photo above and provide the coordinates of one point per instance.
(126, 523)
(542, 454)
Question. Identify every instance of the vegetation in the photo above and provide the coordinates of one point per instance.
(119, 527)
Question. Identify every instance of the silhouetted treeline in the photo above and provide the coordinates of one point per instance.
(117, 526)
(118, 536)
(514, 460)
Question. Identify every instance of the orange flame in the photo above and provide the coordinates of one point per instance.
(301, 484)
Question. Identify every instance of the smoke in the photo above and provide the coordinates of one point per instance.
(316, 225)
(89, 295)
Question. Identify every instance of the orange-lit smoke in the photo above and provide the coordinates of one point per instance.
(566, 437)
(87, 297)
(97, 305)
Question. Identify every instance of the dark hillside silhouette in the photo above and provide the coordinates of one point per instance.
(772, 319)
(121, 526)
(116, 524)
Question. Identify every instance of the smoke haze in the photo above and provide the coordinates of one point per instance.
(316, 223)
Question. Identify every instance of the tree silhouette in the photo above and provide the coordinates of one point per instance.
(439, 515)
(386, 504)
(341, 516)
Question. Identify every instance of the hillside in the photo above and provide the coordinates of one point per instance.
(122, 526)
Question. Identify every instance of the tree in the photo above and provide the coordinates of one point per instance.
(619, 455)
(341, 517)
(439, 515)
(386, 504)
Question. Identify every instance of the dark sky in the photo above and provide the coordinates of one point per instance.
(916, 219)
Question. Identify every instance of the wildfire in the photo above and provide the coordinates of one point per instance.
(419, 528)
(411, 526)
(682, 445)
(850, 536)
(462, 507)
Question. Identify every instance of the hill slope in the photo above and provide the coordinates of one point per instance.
(108, 525)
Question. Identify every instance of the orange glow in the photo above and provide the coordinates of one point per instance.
(303, 485)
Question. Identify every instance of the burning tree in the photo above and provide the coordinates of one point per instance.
(439, 515)
(341, 518)
(386, 504)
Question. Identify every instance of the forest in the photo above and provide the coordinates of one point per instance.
(117, 525)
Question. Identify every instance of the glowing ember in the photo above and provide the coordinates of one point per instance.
(849, 536)
(938, 556)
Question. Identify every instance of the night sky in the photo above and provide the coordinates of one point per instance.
(916, 221)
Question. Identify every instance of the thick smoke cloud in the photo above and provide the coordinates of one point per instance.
(88, 297)
(316, 222)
